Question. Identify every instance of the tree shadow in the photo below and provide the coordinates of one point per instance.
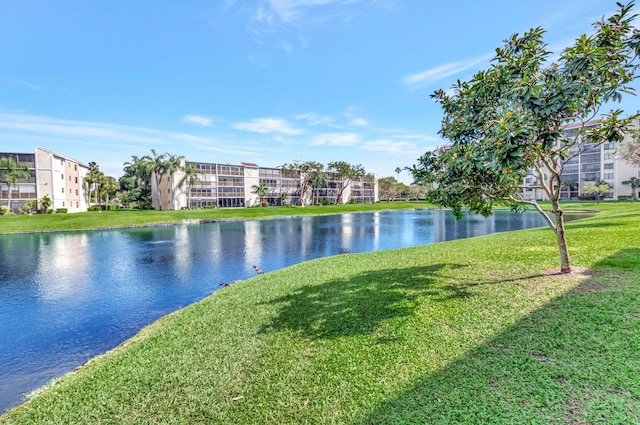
(576, 360)
(357, 305)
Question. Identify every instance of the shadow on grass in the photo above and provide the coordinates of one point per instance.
(574, 361)
(356, 305)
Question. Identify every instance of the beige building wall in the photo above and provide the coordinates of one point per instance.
(62, 179)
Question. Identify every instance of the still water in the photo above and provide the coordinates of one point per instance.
(67, 297)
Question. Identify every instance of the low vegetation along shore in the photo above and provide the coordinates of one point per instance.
(477, 330)
(131, 218)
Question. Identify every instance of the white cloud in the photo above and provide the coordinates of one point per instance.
(268, 125)
(430, 76)
(198, 119)
(315, 119)
(336, 139)
(393, 147)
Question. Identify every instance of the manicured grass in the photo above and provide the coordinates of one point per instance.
(126, 218)
(471, 331)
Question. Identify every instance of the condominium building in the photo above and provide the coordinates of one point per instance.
(594, 164)
(60, 178)
(226, 185)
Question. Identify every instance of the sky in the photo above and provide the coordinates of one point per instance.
(260, 81)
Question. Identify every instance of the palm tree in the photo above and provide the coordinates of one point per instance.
(261, 189)
(634, 182)
(10, 171)
(94, 178)
(569, 185)
(398, 170)
(192, 177)
(172, 164)
(109, 185)
(157, 165)
(317, 180)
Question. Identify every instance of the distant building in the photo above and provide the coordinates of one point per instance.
(597, 163)
(226, 185)
(60, 178)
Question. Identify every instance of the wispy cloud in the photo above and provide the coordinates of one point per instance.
(28, 85)
(430, 76)
(315, 119)
(393, 147)
(198, 119)
(336, 139)
(268, 125)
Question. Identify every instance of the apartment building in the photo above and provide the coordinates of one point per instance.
(226, 185)
(596, 163)
(59, 177)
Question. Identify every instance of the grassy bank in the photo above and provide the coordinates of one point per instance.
(126, 218)
(469, 331)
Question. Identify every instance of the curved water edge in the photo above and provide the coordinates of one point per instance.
(67, 297)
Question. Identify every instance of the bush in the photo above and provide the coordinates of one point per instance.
(4, 210)
(62, 210)
(50, 211)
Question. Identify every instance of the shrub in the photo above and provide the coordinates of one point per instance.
(4, 210)
(62, 210)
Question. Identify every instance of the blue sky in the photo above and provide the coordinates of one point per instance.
(262, 81)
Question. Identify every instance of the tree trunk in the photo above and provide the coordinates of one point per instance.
(561, 238)
(9, 197)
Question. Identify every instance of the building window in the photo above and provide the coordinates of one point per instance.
(62, 176)
(608, 156)
(62, 190)
(76, 192)
(75, 167)
(76, 205)
(608, 176)
(69, 177)
(609, 146)
(63, 203)
(608, 166)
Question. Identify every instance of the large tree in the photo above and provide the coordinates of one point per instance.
(305, 170)
(10, 172)
(191, 177)
(135, 184)
(509, 119)
(343, 174)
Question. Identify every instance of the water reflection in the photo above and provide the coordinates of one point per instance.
(67, 297)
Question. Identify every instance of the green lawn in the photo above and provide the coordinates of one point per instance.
(125, 218)
(474, 331)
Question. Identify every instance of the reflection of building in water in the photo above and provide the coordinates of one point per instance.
(63, 267)
(225, 185)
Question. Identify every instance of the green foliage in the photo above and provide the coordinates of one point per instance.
(598, 190)
(29, 206)
(307, 171)
(10, 172)
(344, 173)
(45, 205)
(509, 119)
(62, 210)
(3, 210)
(473, 331)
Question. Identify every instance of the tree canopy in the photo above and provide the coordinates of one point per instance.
(509, 120)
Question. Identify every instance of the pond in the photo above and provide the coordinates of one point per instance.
(67, 297)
